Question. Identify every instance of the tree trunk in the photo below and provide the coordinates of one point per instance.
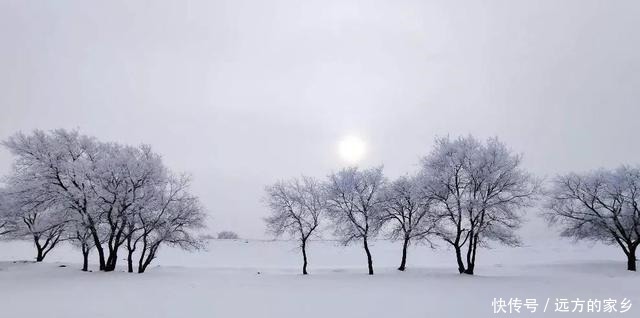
(96, 238)
(469, 270)
(131, 247)
(471, 254)
(115, 241)
(150, 256)
(130, 261)
(143, 267)
(85, 260)
(36, 242)
(304, 257)
(143, 252)
(461, 268)
(102, 264)
(403, 262)
(631, 259)
(40, 256)
(112, 259)
(369, 260)
(98, 244)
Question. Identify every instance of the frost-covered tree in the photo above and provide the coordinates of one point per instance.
(58, 164)
(45, 226)
(602, 206)
(410, 213)
(106, 188)
(297, 207)
(168, 215)
(173, 220)
(123, 179)
(37, 215)
(479, 191)
(355, 206)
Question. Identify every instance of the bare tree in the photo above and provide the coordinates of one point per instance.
(355, 206)
(601, 206)
(409, 210)
(297, 206)
(479, 190)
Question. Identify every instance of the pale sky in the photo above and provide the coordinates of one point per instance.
(242, 93)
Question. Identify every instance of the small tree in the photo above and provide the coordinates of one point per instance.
(46, 228)
(227, 235)
(601, 206)
(410, 212)
(297, 206)
(355, 206)
(37, 216)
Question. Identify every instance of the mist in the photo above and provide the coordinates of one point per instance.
(244, 93)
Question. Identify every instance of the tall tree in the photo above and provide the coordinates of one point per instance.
(122, 178)
(297, 206)
(355, 206)
(410, 212)
(479, 190)
(602, 206)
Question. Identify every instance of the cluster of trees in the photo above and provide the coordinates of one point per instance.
(227, 235)
(466, 193)
(99, 196)
(109, 198)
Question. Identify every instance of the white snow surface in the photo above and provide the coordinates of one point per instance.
(262, 279)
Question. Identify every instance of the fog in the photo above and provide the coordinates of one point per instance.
(243, 93)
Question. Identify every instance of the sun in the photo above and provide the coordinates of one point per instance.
(352, 149)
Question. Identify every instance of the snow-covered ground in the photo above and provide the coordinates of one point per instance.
(261, 279)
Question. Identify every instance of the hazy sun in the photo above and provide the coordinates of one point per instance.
(351, 149)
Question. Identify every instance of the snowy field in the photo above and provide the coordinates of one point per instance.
(261, 279)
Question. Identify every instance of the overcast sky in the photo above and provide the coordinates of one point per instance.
(243, 93)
